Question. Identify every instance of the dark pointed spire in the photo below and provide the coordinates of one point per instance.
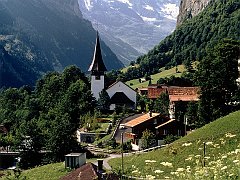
(97, 65)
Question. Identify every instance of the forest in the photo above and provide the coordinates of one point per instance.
(190, 41)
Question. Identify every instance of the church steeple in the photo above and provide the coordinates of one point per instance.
(97, 66)
(97, 69)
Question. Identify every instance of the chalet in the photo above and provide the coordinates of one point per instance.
(183, 94)
(161, 126)
(176, 94)
(119, 93)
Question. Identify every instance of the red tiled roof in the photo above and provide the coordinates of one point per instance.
(85, 172)
(183, 90)
(175, 98)
(191, 93)
(141, 119)
(154, 92)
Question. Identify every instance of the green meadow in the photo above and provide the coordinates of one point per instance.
(185, 158)
(165, 73)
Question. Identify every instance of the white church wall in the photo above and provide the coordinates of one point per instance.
(97, 85)
(121, 87)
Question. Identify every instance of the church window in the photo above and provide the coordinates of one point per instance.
(97, 77)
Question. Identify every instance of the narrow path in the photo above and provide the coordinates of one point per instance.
(105, 161)
(111, 156)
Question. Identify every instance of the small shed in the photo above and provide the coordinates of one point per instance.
(75, 160)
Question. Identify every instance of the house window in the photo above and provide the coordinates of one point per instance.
(164, 132)
(155, 121)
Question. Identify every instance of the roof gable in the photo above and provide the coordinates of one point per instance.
(85, 172)
(141, 119)
(117, 82)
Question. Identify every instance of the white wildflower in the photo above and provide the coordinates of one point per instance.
(188, 159)
(135, 171)
(216, 145)
(197, 156)
(158, 171)
(166, 164)
(150, 161)
(224, 167)
(187, 144)
(180, 169)
(209, 143)
(166, 177)
(150, 177)
(236, 161)
(237, 151)
(224, 157)
(230, 135)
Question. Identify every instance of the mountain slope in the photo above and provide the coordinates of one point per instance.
(219, 20)
(45, 35)
(133, 27)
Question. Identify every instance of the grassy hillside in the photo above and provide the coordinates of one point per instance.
(184, 158)
(165, 73)
(47, 172)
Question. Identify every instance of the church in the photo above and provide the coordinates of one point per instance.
(120, 94)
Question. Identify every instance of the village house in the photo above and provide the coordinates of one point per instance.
(121, 94)
(176, 94)
(160, 126)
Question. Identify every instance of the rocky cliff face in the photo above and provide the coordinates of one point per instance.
(190, 8)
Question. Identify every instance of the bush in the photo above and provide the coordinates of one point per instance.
(170, 138)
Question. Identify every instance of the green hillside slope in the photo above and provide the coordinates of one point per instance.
(51, 171)
(185, 159)
(219, 20)
(155, 77)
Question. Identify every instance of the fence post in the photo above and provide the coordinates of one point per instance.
(122, 153)
(204, 153)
